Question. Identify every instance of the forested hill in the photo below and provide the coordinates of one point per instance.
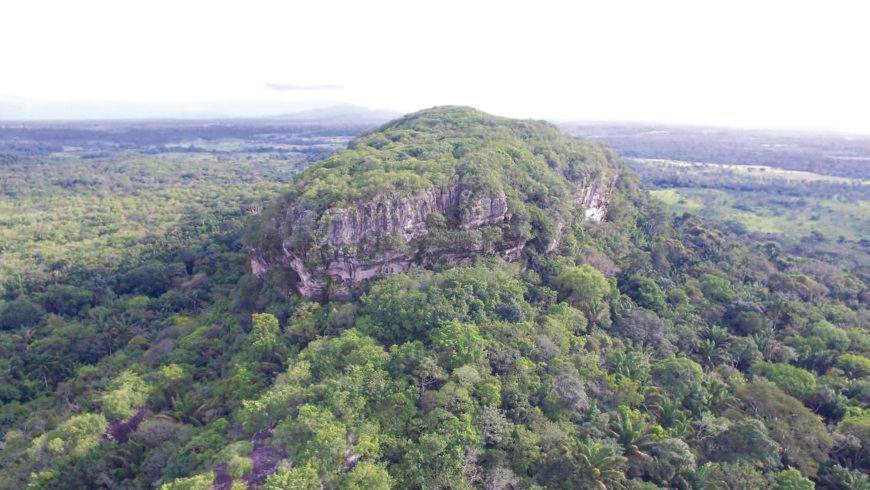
(642, 351)
(441, 184)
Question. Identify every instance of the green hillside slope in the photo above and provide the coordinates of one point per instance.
(642, 351)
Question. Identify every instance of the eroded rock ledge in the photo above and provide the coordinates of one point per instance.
(356, 243)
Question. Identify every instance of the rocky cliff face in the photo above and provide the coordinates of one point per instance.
(362, 241)
(594, 195)
(439, 185)
(384, 237)
(365, 224)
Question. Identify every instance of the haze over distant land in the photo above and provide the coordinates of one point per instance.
(740, 64)
(21, 109)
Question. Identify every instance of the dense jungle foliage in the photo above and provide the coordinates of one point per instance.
(648, 351)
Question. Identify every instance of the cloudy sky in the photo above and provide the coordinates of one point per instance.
(752, 64)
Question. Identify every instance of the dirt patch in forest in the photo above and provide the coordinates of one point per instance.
(119, 429)
(265, 459)
(222, 480)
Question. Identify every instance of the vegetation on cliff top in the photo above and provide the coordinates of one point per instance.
(448, 145)
(536, 167)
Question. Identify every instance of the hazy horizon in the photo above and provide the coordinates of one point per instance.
(742, 64)
(21, 109)
(83, 111)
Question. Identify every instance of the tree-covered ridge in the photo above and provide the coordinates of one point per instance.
(648, 351)
(449, 145)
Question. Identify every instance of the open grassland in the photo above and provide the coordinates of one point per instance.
(755, 172)
(758, 212)
(791, 203)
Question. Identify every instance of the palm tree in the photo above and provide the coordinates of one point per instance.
(633, 439)
(48, 366)
(707, 352)
(844, 478)
(717, 335)
(717, 394)
(185, 409)
(623, 366)
(25, 336)
(633, 365)
(713, 348)
(701, 480)
(600, 462)
(671, 416)
(765, 339)
(595, 310)
(621, 305)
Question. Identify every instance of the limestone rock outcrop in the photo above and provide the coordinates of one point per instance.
(372, 238)
(436, 186)
(594, 196)
(382, 237)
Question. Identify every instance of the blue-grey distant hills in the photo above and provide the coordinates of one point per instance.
(342, 112)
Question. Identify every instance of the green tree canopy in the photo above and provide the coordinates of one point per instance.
(793, 380)
(798, 430)
(645, 292)
(582, 283)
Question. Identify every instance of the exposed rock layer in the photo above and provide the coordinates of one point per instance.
(355, 237)
(439, 185)
(594, 196)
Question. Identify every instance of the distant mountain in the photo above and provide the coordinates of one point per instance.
(14, 108)
(343, 113)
